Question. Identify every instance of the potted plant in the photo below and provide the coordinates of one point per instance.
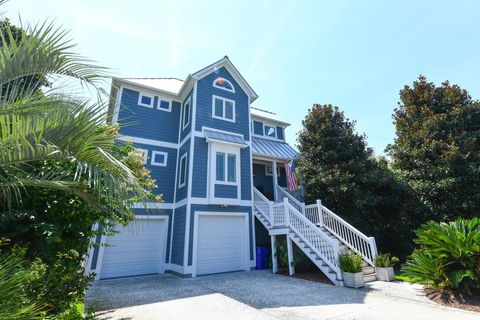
(384, 266)
(351, 265)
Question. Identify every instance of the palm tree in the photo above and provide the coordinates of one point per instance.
(51, 139)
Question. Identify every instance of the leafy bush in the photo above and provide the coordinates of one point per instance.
(16, 282)
(350, 262)
(384, 260)
(448, 257)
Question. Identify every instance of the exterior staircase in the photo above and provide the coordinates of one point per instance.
(317, 231)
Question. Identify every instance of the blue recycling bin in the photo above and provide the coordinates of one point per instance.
(262, 258)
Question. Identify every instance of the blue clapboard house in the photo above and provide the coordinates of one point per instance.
(219, 164)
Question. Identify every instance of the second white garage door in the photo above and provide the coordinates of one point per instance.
(138, 249)
(222, 243)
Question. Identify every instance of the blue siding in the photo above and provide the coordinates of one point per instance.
(205, 92)
(164, 176)
(258, 127)
(200, 167)
(188, 128)
(168, 212)
(225, 191)
(149, 123)
(208, 208)
(246, 174)
(182, 192)
(178, 241)
(261, 181)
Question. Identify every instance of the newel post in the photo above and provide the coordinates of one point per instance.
(285, 208)
(320, 212)
(270, 211)
(373, 246)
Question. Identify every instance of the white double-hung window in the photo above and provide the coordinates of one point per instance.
(223, 109)
(226, 168)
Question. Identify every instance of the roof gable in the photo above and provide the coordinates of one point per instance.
(227, 64)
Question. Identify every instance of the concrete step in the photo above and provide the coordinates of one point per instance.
(370, 278)
(368, 270)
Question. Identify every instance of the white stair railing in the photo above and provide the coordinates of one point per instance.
(325, 247)
(349, 235)
(263, 205)
(282, 193)
(321, 216)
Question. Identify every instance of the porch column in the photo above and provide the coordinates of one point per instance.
(274, 254)
(291, 268)
(275, 180)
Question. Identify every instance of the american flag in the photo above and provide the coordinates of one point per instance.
(291, 176)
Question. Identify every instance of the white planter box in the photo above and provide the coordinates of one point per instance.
(385, 274)
(353, 280)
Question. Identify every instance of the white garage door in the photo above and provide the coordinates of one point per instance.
(138, 249)
(222, 244)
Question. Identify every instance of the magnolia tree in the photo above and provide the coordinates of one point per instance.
(437, 148)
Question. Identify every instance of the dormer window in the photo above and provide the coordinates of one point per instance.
(223, 84)
(270, 131)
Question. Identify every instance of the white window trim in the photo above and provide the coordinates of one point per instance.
(270, 174)
(271, 126)
(140, 95)
(263, 131)
(145, 155)
(159, 164)
(219, 87)
(212, 174)
(225, 169)
(185, 113)
(181, 185)
(159, 99)
(213, 108)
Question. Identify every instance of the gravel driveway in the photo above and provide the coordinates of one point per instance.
(259, 295)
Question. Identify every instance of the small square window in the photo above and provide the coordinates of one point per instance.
(145, 101)
(159, 158)
(164, 105)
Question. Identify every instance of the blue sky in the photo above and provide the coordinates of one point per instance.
(353, 54)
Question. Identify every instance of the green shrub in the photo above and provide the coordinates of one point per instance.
(16, 301)
(384, 260)
(350, 262)
(448, 257)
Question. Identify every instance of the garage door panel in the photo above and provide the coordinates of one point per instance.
(221, 243)
(137, 249)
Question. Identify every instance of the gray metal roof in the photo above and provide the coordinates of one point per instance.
(223, 137)
(272, 149)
